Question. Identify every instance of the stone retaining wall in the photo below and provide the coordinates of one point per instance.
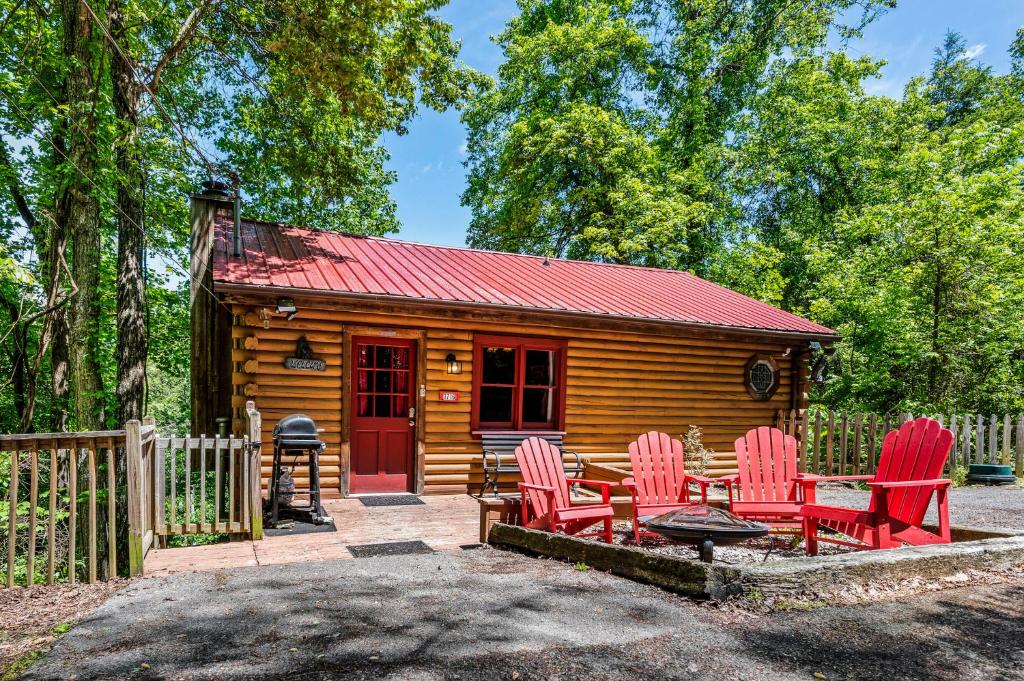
(795, 577)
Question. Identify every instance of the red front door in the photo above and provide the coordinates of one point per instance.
(381, 419)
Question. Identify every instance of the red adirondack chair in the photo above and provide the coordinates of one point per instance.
(766, 489)
(660, 482)
(908, 476)
(545, 493)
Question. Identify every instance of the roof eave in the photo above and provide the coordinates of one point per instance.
(230, 287)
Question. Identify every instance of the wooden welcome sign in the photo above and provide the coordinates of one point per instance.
(303, 359)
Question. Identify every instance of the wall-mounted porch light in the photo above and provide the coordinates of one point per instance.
(454, 365)
(286, 306)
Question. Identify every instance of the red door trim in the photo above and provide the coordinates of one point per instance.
(382, 433)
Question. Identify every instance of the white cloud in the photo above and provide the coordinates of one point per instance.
(463, 148)
(974, 51)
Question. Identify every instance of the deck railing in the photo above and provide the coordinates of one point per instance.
(844, 443)
(86, 506)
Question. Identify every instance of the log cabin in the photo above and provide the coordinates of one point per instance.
(407, 355)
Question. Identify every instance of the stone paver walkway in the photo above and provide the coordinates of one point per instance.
(444, 523)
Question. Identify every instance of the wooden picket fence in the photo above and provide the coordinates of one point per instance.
(843, 443)
(175, 485)
(210, 484)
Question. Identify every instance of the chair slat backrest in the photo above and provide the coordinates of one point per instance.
(917, 451)
(766, 459)
(541, 464)
(658, 469)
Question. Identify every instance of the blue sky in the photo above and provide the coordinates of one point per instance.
(429, 158)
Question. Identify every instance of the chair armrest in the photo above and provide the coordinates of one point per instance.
(595, 483)
(606, 487)
(809, 478)
(729, 480)
(495, 455)
(700, 480)
(541, 488)
(937, 483)
(628, 482)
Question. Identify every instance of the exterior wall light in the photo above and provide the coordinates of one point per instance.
(454, 365)
(286, 306)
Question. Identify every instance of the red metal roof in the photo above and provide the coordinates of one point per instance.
(283, 256)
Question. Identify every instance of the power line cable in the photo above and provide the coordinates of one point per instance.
(116, 207)
(145, 86)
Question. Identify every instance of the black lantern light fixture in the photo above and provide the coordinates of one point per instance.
(454, 365)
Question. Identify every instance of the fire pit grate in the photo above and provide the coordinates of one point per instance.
(391, 500)
(396, 548)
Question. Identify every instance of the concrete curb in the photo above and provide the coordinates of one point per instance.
(794, 577)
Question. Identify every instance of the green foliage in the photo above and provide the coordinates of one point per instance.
(293, 96)
(737, 143)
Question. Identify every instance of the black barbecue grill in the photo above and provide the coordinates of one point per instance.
(296, 442)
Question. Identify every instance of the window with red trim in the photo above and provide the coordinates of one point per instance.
(518, 383)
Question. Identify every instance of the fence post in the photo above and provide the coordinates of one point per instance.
(133, 454)
(254, 429)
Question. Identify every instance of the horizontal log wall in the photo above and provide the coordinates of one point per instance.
(620, 384)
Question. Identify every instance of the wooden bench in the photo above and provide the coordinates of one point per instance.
(499, 456)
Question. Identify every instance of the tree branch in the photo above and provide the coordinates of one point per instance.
(184, 37)
(10, 173)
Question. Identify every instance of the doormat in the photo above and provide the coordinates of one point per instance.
(391, 500)
(396, 548)
(290, 528)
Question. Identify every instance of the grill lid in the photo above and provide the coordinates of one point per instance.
(296, 429)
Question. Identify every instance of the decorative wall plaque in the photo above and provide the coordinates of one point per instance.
(303, 359)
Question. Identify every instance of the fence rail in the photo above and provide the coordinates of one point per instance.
(88, 505)
(74, 473)
(844, 443)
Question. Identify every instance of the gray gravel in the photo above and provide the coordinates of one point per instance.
(491, 614)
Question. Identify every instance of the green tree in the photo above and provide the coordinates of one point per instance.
(561, 160)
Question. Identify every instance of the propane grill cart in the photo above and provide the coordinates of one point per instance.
(296, 443)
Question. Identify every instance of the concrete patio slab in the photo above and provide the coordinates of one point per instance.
(444, 523)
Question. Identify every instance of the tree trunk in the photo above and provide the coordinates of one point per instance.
(131, 291)
(81, 211)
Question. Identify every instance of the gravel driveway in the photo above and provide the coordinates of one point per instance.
(497, 615)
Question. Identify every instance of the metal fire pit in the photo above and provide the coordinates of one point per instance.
(704, 526)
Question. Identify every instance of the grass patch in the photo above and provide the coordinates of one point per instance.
(21, 664)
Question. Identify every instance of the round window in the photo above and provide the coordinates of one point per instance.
(762, 377)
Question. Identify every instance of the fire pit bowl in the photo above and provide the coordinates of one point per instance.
(704, 526)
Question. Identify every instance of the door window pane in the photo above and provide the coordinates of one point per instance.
(496, 405)
(364, 381)
(540, 367)
(364, 406)
(499, 366)
(401, 382)
(401, 357)
(364, 355)
(382, 381)
(400, 405)
(537, 407)
(382, 406)
(383, 357)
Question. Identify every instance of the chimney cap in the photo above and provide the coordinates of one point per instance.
(215, 189)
